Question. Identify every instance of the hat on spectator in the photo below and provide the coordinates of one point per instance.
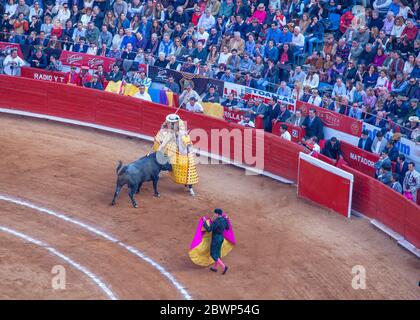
(414, 119)
(402, 98)
(84, 68)
(414, 100)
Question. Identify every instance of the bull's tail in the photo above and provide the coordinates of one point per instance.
(119, 170)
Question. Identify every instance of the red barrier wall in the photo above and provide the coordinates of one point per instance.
(127, 113)
(336, 189)
(380, 202)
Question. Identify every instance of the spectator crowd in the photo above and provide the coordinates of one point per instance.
(360, 58)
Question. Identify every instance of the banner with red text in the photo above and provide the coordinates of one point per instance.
(333, 120)
(246, 93)
(87, 60)
(6, 46)
(359, 159)
(43, 75)
(233, 115)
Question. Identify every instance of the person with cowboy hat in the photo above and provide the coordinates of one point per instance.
(413, 128)
(173, 140)
(217, 227)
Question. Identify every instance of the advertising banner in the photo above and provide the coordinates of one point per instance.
(43, 75)
(82, 59)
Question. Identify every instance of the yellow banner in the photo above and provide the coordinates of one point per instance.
(213, 109)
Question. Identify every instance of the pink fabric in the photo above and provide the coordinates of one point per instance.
(198, 237)
(408, 195)
(228, 234)
(259, 15)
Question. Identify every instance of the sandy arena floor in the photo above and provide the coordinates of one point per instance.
(287, 248)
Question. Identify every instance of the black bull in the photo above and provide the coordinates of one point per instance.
(139, 171)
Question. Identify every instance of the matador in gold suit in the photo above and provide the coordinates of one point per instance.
(173, 140)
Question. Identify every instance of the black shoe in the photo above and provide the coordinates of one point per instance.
(212, 269)
(224, 271)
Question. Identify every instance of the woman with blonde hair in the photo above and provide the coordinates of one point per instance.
(304, 23)
(297, 91)
(109, 21)
(398, 27)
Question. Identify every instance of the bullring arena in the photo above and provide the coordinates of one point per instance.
(56, 183)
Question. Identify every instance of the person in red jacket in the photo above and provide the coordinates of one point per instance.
(85, 76)
(73, 78)
(410, 30)
(196, 16)
(345, 21)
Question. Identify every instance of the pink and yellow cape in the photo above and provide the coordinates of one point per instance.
(200, 246)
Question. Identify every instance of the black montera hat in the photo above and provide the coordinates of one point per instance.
(218, 211)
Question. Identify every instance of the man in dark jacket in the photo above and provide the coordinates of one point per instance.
(212, 96)
(115, 75)
(38, 60)
(313, 125)
(332, 149)
(94, 84)
(273, 111)
(401, 167)
(284, 114)
(412, 90)
(392, 150)
(365, 142)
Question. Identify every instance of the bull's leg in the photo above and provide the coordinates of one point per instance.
(133, 189)
(155, 183)
(138, 188)
(116, 193)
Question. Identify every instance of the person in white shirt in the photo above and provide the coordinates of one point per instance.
(298, 40)
(12, 64)
(315, 99)
(311, 80)
(284, 134)
(246, 121)
(224, 55)
(142, 94)
(206, 20)
(63, 14)
(93, 49)
(312, 145)
(202, 35)
(382, 81)
(194, 106)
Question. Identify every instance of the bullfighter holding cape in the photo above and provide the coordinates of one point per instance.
(173, 140)
(205, 249)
